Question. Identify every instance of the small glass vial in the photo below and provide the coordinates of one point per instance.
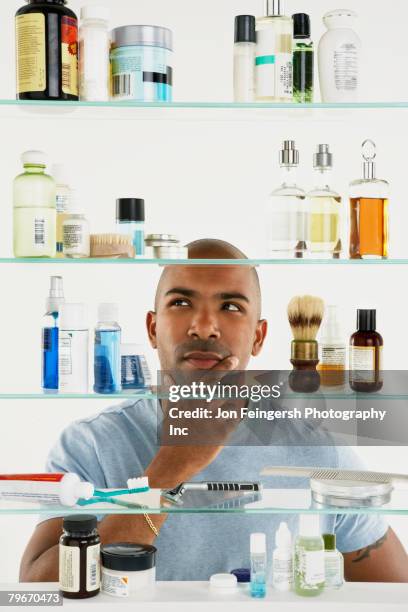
(258, 565)
(369, 211)
(75, 232)
(324, 206)
(287, 220)
(130, 219)
(94, 49)
(366, 346)
(333, 563)
(244, 58)
(303, 59)
(79, 557)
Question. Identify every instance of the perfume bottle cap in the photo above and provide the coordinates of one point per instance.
(367, 320)
(323, 159)
(369, 152)
(274, 8)
(245, 29)
(329, 540)
(301, 25)
(289, 155)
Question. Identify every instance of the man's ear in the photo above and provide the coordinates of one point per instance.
(260, 335)
(151, 328)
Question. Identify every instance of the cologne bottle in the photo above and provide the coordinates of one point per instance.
(303, 59)
(274, 57)
(324, 210)
(244, 58)
(286, 215)
(369, 211)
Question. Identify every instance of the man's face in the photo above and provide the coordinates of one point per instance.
(204, 315)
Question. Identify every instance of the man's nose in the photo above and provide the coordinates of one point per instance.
(204, 326)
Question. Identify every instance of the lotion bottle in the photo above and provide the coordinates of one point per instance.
(309, 557)
(339, 58)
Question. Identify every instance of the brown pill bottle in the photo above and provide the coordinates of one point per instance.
(79, 557)
(366, 346)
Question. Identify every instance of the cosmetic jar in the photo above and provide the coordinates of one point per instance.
(223, 583)
(141, 60)
(350, 493)
(242, 574)
(127, 568)
(165, 246)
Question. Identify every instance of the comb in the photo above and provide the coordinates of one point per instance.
(334, 474)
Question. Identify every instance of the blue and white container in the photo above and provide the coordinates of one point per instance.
(130, 220)
(136, 374)
(107, 364)
(141, 60)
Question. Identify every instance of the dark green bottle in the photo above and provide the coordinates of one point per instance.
(303, 59)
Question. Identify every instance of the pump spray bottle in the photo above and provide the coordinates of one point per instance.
(50, 333)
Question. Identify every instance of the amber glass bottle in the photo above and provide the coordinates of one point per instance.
(79, 557)
(47, 51)
(366, 346)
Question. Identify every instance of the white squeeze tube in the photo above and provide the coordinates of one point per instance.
(65, 489)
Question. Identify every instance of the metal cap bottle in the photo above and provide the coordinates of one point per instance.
(289, 155)
(323, 159)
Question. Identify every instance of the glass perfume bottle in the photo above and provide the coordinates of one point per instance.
(274, 57)
(369, 210)
(324, 207)
(286, 215)
(303, 59)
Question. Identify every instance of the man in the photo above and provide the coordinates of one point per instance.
(205, 318)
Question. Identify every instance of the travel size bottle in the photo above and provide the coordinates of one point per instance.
(79, 557)
(34, 209)
(287, 221)
(339, 58)
(47, 51)
(282, 561)
(332, 362)
(333, 563)
(244, 58)
(309, 557)
(130, 220)
(324, 207)
(369, 232)
(366, 347)
(107, 364)
(50, 333)
(73, 348)
(274, 57)
(94, 48)
(63, 197)
(258, 565)
(303, 59)
(75, 232)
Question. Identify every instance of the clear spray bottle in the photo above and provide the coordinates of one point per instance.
(50, 333)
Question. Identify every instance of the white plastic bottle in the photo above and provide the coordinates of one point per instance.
(94, 45)
(63, 198)
(73, 349)
(75, 232)
(339, 58)
(282, 561)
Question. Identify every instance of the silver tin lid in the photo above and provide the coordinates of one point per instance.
(161, 240)
(351, 493)
(323, 158)
(148, 35)
(289, 155)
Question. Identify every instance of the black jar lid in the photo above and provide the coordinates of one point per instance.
(80, 523)
(128, 557)
(301, 25)
(130, 209)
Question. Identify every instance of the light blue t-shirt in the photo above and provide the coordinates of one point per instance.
(120, 442)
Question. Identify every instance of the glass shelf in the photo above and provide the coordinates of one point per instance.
(206, 262)
(272, 501)
(194, 111)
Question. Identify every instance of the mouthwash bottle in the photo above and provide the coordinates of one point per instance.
(34, 209)
(50, 335)
(107, 365)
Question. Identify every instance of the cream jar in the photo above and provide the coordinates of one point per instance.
(127, 568)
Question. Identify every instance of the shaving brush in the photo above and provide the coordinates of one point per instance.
(305, 314)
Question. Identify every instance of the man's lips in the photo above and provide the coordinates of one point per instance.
(203, 361)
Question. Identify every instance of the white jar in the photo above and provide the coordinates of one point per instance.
(94, 47)
(339, 58)
(76, 237)
(127, 568)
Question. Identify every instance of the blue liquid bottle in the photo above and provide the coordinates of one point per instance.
(258, 565)
(107, 364)
(50, 334)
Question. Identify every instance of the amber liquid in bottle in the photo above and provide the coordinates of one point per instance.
(366, 346)
(368, 228)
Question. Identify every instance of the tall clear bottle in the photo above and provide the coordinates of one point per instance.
(274, 57)
(287, 221)
(34, 215)
(369, 196)
(63, 200)
(324, 207)
(50, 335)
(107, 365)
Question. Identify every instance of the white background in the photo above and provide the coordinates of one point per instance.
(200, 177)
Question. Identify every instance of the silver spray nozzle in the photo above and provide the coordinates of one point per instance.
(323, 159)
(274, 8)
(369, 152)
(289, 155)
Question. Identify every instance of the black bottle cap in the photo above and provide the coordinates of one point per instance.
(301, 25)
(367, 320)
(128, 557)
(130, 209)
(80, 523)
(245, 28)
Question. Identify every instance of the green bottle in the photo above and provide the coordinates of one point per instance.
(309, 557)
(303, 59)
(34, 199)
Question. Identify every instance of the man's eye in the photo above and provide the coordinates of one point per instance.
(231, 307)
(179, 302)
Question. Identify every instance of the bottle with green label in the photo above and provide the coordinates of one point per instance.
(34, 218)
(309, 569)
